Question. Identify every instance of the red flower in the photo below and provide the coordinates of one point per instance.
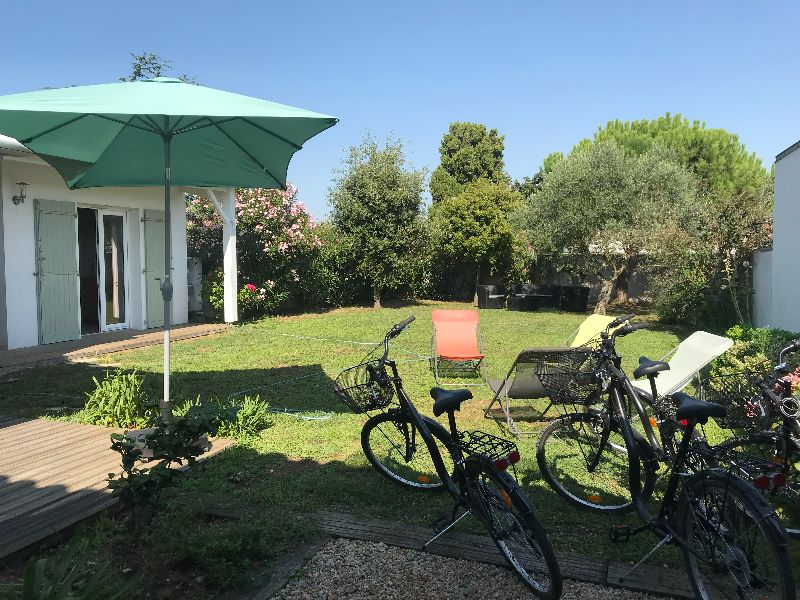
(250, 287)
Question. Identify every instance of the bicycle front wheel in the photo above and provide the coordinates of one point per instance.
(507, 514)
(735, 546)
(394, 446)
(586, 471)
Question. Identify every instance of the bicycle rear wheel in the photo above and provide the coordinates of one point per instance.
(508, 516)
(736, 548)
(566, 452)
(756, 454)
(394, 446)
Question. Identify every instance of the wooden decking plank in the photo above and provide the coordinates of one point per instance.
(655, 580)
(53, 519)
(54, 475)
(453, 544)
(27, 463)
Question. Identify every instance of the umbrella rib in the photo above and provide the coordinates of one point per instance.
(250, 156)
(154, 124)
(52, 129)
(178, 122)
(191, 126)
(121, 122)
(272, 133)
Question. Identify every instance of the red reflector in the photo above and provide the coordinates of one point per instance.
(761, 482)
(684, 422)
(778, 480)
(501, 464)
(513, 457)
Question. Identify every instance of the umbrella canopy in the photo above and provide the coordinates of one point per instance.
(103, 135)
(160, 132)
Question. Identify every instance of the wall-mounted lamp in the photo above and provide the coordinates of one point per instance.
(21, 197)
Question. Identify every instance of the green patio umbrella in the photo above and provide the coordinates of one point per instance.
(160, 132)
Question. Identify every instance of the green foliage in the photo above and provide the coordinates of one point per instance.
(70, 577)
(173, 442)
(148, 65)
(472, 229)
(118, 401)
(277, 250)
(469, 151)
(221, 550)
(717, 157)
(599, 210)
(530, 185)
(443, 185)
(251, 416)
(376, 202)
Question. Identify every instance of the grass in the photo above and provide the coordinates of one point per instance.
(274, 482)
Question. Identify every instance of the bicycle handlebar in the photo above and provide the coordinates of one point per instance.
(620, 320)
(628, 328)
(790, 349)
(397, 329)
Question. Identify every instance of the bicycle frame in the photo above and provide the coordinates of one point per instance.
(419, 421)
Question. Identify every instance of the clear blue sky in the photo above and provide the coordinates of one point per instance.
(544, 74)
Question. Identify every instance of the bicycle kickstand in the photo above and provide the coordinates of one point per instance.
(663, 542)
(452, 524)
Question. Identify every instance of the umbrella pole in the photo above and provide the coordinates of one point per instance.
(166, 284)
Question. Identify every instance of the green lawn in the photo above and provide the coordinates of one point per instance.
(295, 467)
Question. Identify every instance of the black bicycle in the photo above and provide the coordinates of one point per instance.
(733, 543)
(765, 448)
(410, 449)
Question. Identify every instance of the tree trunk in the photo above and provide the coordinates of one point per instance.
(607, 290)
(376, 298)
(477, 282)
(621, 295)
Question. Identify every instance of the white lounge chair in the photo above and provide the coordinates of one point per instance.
(685, 361)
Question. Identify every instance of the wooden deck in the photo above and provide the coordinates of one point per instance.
(52, 476)
(654, 580)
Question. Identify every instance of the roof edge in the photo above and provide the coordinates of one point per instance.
(788, 151)
(9, 144)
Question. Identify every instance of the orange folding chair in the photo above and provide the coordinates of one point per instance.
(457, 347)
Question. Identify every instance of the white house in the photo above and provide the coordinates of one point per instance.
(776, 277)
(78, 262)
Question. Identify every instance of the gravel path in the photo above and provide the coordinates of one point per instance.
(367, 570)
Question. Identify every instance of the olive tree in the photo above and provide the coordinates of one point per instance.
(600, 211)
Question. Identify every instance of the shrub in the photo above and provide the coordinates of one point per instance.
(276, 243)
(755, 350)
(118, 401)
(251, 415)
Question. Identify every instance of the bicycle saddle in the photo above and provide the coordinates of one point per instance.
(649, 367)
(446, 400)
(691, 408)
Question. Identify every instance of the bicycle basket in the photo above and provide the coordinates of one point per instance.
(569, 376)
(741, 395)
(486, 445)
(358, 391)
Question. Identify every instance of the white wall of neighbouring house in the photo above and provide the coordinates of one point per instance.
(20, 251)
(762, 287)
(785, 311)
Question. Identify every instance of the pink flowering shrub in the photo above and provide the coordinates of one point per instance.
(277, 248)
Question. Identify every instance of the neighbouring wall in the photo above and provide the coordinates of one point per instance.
(785, 312)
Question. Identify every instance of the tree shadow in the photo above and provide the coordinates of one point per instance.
(61, 390)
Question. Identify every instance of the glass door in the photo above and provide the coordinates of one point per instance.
(113, 267)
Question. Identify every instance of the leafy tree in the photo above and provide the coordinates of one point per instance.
(599, 211)
(469, 151)
(376, 202)
(531, 185)
(735, 192)
(472, 228)
(148, 65)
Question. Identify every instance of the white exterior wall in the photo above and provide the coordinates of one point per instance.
(785, 311)
(20, 252)
(762, 287)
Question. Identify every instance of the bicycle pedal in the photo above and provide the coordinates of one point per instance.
(621, 533)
